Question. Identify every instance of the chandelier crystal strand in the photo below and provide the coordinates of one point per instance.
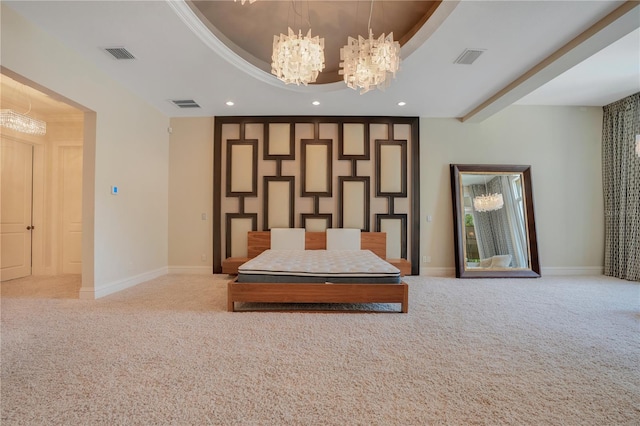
(487, 203)
(22, 123)
(297, 59)
(369, 63)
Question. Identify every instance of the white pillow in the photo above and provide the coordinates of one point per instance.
(502, 261)
(343, 239)
(485, 263)
(287, 239)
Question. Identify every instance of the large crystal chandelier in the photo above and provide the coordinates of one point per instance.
(22, 123)
(297, 59)
(487, 203)
(368, 63)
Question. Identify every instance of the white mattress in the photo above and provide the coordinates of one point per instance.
(319, 263)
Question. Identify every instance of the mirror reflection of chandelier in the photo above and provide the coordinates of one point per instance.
(488, 202)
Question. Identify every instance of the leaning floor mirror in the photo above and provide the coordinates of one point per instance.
(494, 224)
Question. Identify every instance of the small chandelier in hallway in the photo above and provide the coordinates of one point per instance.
(22, 122)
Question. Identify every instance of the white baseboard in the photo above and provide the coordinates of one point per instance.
(572, 270)
(201, 270)
(550, 271)
(116, 286)
(439, 271)
(87, 293)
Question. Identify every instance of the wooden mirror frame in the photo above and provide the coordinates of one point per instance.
(458, 221)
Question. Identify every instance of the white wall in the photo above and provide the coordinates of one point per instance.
(191, 195)
(130, 237)
(563, 147)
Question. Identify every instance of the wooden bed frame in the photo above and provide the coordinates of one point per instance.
(259, 241)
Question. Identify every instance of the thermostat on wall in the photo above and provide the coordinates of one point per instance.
(114, 190)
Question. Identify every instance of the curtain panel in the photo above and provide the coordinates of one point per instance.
(482, 225)
(621, 183)
(515, 226)
(500, 226)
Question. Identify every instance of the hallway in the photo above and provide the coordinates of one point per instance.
(43, 287)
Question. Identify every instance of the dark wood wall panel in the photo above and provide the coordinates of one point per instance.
(289, 150)
(251, 168)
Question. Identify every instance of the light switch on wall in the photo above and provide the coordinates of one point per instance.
(114, 190)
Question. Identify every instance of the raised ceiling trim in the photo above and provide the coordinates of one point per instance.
(261, 70)
(249, 64)
(418, 36)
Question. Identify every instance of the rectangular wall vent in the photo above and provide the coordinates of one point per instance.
(469, 56)
(186, 103)
(119, 52)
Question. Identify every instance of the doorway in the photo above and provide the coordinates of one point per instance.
(16, 206)
(41, 189)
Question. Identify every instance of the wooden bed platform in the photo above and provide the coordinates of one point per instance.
(317, 293)
(258, 241)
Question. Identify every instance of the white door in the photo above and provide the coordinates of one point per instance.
(16, 176)
(71, 202)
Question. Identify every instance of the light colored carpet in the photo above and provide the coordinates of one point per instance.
(549, 351)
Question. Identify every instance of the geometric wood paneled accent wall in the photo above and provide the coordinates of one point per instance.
(316, 173)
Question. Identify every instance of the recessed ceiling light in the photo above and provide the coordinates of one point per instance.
(230, 103)
(316, 102)
(402, 103)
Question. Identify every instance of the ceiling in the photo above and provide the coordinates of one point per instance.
(251, 29)
(536, 53)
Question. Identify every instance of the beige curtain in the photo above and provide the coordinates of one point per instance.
(621, 182)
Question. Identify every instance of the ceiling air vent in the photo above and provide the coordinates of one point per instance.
(469, 56)
(186, 103)
(119, 52)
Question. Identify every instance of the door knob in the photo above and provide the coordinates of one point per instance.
(29, 228)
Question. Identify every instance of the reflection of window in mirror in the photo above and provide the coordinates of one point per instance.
(473, 253)
(471, 250)
(517, 192)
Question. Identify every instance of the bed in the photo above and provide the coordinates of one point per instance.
(293, 269)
